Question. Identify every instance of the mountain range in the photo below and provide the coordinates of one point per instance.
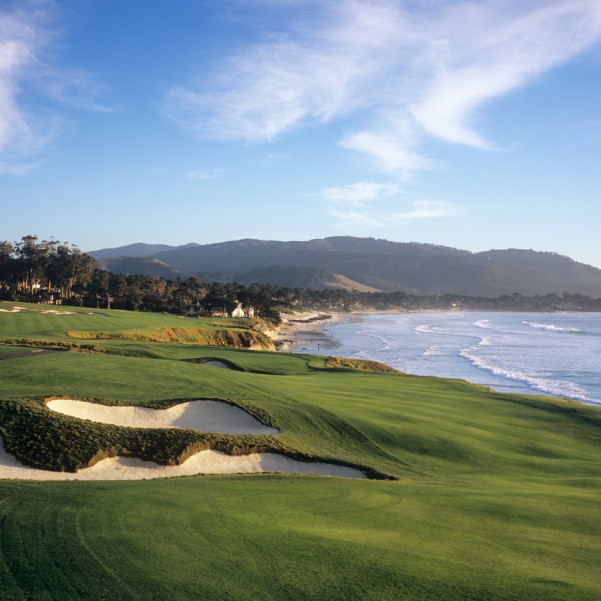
(366, 264)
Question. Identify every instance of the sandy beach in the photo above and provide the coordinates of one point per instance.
(307, 331)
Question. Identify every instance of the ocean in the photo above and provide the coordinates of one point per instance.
(556, 354)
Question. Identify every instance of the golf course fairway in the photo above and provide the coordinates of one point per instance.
(471, 495)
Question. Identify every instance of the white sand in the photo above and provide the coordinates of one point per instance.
(216, 363)
(203, 416)
(46, 311)
(204, 462)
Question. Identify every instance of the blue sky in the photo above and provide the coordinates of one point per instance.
(468, 124)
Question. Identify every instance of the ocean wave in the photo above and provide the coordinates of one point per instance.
(556, 388)
(482, 342)
(426, 328)
(433, 351)
(387, 342)
(483, 323)
(550, 327)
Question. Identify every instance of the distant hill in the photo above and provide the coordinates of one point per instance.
(139, 249)
(148, 266)
(349, 262)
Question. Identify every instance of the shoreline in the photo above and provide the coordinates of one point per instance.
(304, 330)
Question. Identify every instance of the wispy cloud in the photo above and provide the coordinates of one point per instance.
(364, 220)
(31, 88)
(206, 175)
(391, 148)
(365, 206)
(405, 71)
(276, 157)
(360, 193)
(7, 168)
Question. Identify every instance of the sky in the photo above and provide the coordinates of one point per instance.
(475, 125)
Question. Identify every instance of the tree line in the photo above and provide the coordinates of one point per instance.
(29, 268)
(51, 271)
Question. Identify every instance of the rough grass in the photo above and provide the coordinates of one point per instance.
(238, 338)
(361, 364)
(497, 495)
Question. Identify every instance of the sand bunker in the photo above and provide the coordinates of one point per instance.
(203, 416)
(204, 462)
(206, 416)
(216, 363)
(45, 311)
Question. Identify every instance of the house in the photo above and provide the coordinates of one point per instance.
(195, 310)
(241, 311)
(238, 311)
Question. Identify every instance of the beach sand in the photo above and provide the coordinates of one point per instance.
(307, 331)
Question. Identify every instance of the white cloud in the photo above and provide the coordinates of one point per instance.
(391, 150)
(400, 71)
(357, 220)
(359, 193)
(364, 220)
(494, 48)
(424, 209)
(205, 175)
(375, 205)
(277, 157)
(27, 34)
(73, 88)
(22, 169)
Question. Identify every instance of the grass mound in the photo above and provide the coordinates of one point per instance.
(206, 337)
(360, 364)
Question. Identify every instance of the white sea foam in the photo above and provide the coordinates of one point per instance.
(426, 328)
(557, 388)
(484, 323)
(387, 342)
(433, 351)
(549, 327)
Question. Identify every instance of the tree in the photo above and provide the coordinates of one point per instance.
(28, 264)
(7, 265)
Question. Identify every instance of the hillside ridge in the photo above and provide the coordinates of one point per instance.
(415, 268)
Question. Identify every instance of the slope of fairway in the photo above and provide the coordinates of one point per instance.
(74, 326)
(496, 496)
(268, 537)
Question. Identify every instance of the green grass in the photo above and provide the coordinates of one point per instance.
(13, 350)
(74, 325)
(496, 497)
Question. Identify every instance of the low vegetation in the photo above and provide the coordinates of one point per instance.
(495, 496)
(239, 338)
(361, 364)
